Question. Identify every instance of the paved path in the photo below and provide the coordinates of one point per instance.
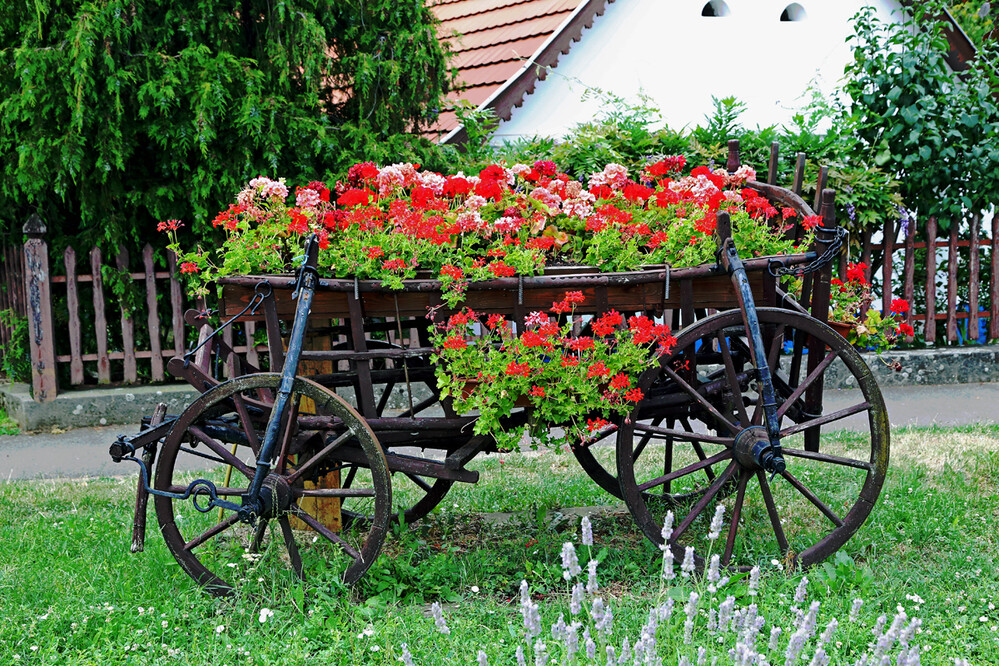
(83, 452)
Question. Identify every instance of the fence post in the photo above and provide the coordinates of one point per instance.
(40, 330)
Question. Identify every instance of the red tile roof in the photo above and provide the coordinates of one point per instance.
(494, 40)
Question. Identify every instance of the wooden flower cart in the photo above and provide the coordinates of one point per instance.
(733, 415)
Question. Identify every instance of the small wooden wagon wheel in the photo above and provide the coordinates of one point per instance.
(801, 516)
(217, 552)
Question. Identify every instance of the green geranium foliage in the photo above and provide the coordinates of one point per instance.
(117, 114)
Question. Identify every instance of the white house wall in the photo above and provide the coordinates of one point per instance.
(668, 51)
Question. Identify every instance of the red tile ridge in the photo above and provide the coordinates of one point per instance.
(511, 93)
(566, 5)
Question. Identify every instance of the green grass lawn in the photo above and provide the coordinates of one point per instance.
(72, 593)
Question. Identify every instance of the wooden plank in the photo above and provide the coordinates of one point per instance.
(73, 305)
(160, 275)
(203, 357)
(973, 280)
(41, 338)
(100, 321)
(713, 291)
(176, 306)
(152, 315)
(20, 286)
(930, 333)
(865, 257)
(230, 362)
(5, 289)
(127, 327)
(910, 273)
(886, 267)
(994, 286)
(251, 349)
(799, 175)
(820, 184)
(774, 160)
(952, 283)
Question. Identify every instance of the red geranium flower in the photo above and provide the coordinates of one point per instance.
(501, 269)
(374, 252)
(355, 197)
(856, 273)
(620, 381)
(299, 223)
(598, 369)
(537, 392)
(518, 369)
(188, 267)
(634, 395)
(495, 320)
(593, 425)
(455, 343)
(905, 329)
(899, 306)
(394, 265)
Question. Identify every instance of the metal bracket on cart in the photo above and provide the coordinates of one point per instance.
(125, 448)
(261, 292)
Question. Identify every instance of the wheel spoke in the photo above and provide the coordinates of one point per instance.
(335, 492)
(709, 495)
(828, 458)
(733, 527)
(644, 441)
(258, 536)
(668, 463)
(211, 531)
(776, 345)
(221, 451)
(811, 497)
(423, 485)
(289, 543)
(244, 419)
(286, 432)
(684, 471)
(330, 536)
(699, 450)
(768, 499)
(311, 462)
(822, 420)
(731, 375)
(700, 399)
(809, 380)
(683, 434)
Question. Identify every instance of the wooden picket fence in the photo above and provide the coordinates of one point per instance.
(967, 252)
(98, 335)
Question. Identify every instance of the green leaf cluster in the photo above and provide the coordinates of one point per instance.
(115, 114)
(937, 132)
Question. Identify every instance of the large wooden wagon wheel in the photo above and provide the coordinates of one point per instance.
(223, 428)
(804, 514)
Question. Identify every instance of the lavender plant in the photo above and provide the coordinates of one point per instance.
(719, 622)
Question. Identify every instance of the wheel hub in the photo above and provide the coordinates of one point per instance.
(275, 497)
(746, 442)
(752, 450)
